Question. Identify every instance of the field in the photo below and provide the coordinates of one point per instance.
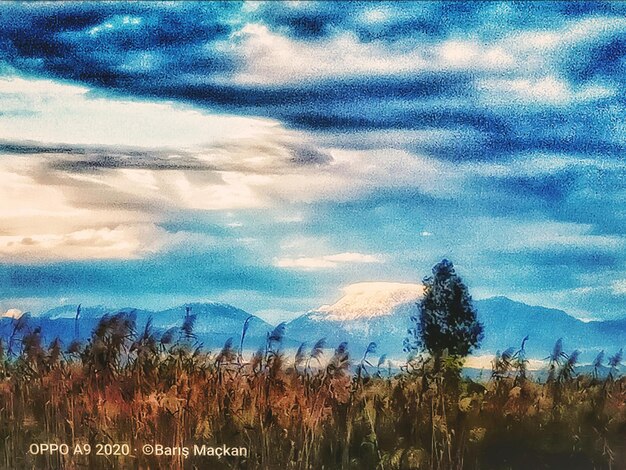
(305, 411)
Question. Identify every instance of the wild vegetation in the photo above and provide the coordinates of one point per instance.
(305, 410)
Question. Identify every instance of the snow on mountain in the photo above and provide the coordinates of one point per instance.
(368, 300)
(381, 312)
(371, 311)
(368, 311)
(13, 313)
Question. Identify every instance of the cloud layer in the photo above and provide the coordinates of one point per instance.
(324, 143)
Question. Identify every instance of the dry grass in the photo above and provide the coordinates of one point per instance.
(138, 387)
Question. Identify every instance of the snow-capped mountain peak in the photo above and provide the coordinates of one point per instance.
(368, 300)
(13, 313)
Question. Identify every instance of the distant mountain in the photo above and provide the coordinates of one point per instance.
(506, 323)
(367, 300)
(378, 312)
(366, 312)
(214, 323)
(67, 312)
(611, 328)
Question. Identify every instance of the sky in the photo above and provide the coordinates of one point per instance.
(270, 154)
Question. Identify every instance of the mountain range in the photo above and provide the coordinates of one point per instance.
(506, 323)
(214, 323)
(367, 312)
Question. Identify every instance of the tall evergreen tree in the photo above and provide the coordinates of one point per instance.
(447, 319)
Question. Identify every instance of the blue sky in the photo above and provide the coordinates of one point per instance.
(268, 154)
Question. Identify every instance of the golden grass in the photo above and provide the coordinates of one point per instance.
(135, 388)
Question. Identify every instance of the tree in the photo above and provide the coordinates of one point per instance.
(447, 318)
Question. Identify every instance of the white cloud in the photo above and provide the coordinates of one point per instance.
(523, 67)
(47, 111)
(572, 33)
(121, 242)
(19, 88)
(290, 218)
(515, 235)
(102, 194)
(271, 58)
(352, 174)
(549, 235)
(326, 261)
(456, 54)
(376, 15)
(115, 169)
(117, 22)
(619, 287)
(214, 162)
(548, 90)
(394, 138)
(537, 53)
(524, 237)
(353, 258)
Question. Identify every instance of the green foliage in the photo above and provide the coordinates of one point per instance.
(447, 320)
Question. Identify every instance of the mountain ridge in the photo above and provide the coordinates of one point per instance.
(214, 322)
(506, 323)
